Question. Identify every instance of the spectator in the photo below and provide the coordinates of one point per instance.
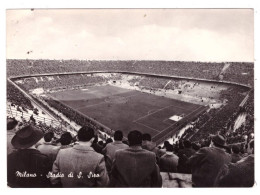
(96, 146)
(11, 129)
(111, 148)
(206, 163)
(27, 167)
(195, 146)
(87, 166)
(147, 144)
(239, 174)
(184, 154)
(134, 166)
(65, 140)
(235, 154)
(169, 161)
(48, 148)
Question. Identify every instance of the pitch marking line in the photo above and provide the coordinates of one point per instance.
(147, 126)
(151, 113)
(180, 120)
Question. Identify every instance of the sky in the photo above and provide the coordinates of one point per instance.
(212, 35)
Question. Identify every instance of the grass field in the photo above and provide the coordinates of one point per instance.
(126, 110)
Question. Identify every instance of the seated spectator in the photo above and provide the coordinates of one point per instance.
(147, 144)
(96, 146)
(65, 140)
(184, 154)
(169, 161)
(11, 129)
(206, 163)
(27, 167)
(111, 148)
(87, 166)
(48, 148)
(235, 156)
(134, 166)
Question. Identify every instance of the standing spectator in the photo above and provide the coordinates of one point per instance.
(134, 166)
(11, 129)
(184, 154)
(27, 167)
(111, 148)
(48, 148)
(87, 166)
(235, 154)
(169, 161)
(206, 163)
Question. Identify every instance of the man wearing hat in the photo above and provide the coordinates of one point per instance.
(27, 167)
(206, 163)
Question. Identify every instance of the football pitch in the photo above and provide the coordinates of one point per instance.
(126, 110)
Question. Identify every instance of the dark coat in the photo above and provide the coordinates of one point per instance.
(240, 174)
(184, 155)
(28, 161)
(168, 163)
(135, 167)
(205, 165)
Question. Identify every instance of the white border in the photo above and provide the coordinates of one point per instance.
(12, 4)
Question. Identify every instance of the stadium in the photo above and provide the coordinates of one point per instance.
(73, 122)
(159, 104)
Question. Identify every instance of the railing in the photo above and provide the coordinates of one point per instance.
(15, 113)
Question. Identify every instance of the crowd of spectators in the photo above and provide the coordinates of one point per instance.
(221, 119)
(83, 161)
(62, 81)
(15, 96)
(237, 72)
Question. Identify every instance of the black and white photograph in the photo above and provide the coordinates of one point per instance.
(130, 98)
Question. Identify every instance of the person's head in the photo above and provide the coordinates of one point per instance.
(166, 143)
(26, 137)
(235, 149)
(48, 136)
(195, 146)
(11, 123)
(134, 138)
(228, 149)
(218, 141)
(146, 137)
(86, 134)
(66, 138)
(181, 145)
(187, 144)
(109, 140)
(169, 148)
(118, 135)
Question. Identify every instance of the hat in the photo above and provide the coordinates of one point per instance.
(26, 137)
(218, 139)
